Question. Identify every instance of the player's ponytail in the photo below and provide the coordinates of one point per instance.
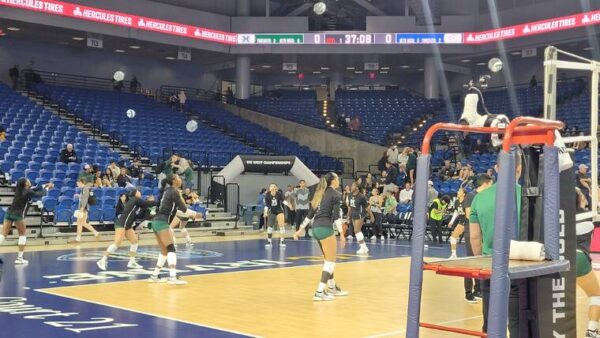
(319, 191)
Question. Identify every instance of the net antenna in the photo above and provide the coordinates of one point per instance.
(575, 63)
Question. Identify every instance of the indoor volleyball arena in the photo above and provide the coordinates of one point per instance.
(299, 168)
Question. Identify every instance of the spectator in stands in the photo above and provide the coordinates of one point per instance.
(354, 124)
(173, 101)
(229, 95)
(431, 193)
(480, 147)
(290, 197)
(124, 181)
(182, 167)
(134, 84)
(87, 175)
(402, 176)
(446, 172)
(13, 73)
(457, 171)
(389, 206)
(368, 183)
(136, 170)
(584, 183)
(121, 204)
(341, 122)
(68, 155)
(392, 175)
(382, 161)
(491, 173)
(580, 145)
(260, 204)
(403, 156)
(469, 176)
(392, 155)
(108, 180)
(411, 165)
(406, 194)
(465, 172)
(182, 99)
(98, 177)
(533, 81)
(376, 204)
(381, 181)
(218, 95)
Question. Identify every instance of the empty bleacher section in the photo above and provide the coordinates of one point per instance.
(155, 128)
(297, 106)
(263, 138)
(383, 112)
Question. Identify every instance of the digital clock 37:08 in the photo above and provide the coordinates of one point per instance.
(349, 39)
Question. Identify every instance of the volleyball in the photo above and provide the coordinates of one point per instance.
(130, 113)
(191, 126)
(119, 75)
(495, 65)
(319, 8)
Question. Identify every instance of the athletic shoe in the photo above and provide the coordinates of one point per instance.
(372, 237)
(134, 265)
(281, 245)
(477, 295)
(21, 261)
(362, 251)
(592, 334)
(322, 296)
(101, 264)
(471, 299)
(348, 237)
(337, 292)
(156, 279)
(176, 281)
(453, 256)
(268, 246)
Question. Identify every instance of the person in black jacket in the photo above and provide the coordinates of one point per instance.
(390, 180)
(124, 228)
(325, 215)
(17, 212)
(68, 155)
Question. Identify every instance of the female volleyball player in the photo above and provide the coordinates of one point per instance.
(18, 210)
(273, 212)
(586, 277)
(459, 218)
(171, 201)
(181, 219)
(124, 229)
(82, 211)
(357, 211)
(325, 214)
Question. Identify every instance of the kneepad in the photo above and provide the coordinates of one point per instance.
(453, 240)
(22, 240)
(171, 248)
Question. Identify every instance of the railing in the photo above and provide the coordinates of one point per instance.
(232, 201)
(166, 91)
(70, 80)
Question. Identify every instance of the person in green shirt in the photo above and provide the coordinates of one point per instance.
(87, 175)
(482, 221)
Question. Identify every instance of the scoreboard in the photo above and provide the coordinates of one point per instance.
(351, 38)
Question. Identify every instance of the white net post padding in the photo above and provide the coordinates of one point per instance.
(577, 63)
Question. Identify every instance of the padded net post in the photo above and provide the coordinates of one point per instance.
(551, 203)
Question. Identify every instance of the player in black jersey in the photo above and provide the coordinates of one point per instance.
(273, 212)
(357, 211)
(124, 228)
(325, 215)
(18, 210)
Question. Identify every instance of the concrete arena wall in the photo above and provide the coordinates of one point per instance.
(327, 143)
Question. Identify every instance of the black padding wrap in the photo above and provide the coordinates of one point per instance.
(171, 248)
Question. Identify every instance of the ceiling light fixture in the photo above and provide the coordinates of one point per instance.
(324, 68)
(587, 48)
(385, 68)
(515, 53)
(14, 29)
(134, 47)
(481, 63)
(169, 58)
(350, 68)
(465, 60)
(358, 72)
(77, 38)
(383, 72)
(119, 51)
(266, 66)
(420, 69)
(291, 72)
(316, 72)
(405, 66)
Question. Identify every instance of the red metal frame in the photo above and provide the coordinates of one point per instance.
(453, 329)
(535, 131)
(458, 271)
